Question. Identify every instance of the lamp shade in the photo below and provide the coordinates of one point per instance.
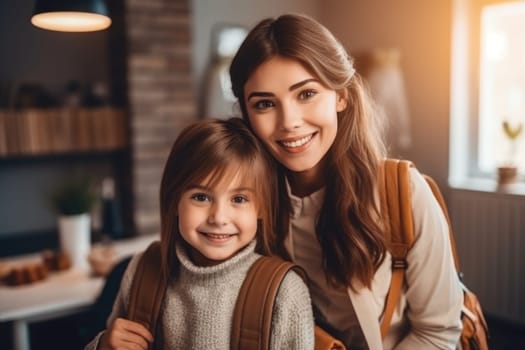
(71, 15)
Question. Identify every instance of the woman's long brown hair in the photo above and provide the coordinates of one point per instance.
(349, 226)
(220, 148)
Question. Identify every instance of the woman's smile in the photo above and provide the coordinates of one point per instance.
(297, 144)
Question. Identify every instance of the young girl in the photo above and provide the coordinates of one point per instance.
(297, 88)
(216, 196)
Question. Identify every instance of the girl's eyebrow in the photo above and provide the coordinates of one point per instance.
(291, 88)
(193, 187)
(243, 189)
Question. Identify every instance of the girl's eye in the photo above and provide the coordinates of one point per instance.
(307, 94)
(200, 197)
(239, 199)
(263, 104)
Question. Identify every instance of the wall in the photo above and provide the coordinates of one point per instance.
(30, 54)
(50, 59)
(421, 30)
(161, 96)
(207, 13)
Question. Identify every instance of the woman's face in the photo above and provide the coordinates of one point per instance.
(292, 113)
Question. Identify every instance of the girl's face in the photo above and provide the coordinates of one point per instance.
(217, 221)
(292, 113)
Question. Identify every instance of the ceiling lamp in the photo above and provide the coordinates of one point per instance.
(71, 15)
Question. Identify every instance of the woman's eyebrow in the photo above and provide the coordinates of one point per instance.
(301, 83)
(260, 94)
(291, 88)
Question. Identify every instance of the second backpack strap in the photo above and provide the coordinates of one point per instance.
(147, 289)
(252, 318)
(396, 207)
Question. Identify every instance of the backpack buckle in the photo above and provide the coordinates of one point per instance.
(399, 263)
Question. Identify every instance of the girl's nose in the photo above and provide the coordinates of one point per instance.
(218, 215)
(291, 117)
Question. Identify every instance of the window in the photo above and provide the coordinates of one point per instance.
(502, 85)
(487, 87)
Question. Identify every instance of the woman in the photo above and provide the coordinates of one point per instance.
(299, 92)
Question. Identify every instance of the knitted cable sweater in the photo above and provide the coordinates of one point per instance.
(198, 307)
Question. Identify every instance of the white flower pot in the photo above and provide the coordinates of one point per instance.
(75, 238)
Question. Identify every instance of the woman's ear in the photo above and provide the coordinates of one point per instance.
(342, 101)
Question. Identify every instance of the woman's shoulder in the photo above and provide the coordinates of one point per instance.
(421, 193)
(429, 218)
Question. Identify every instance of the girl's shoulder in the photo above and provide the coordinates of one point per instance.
(127, 278)
(293, 287)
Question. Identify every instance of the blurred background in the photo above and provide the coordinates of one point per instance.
(107, 105)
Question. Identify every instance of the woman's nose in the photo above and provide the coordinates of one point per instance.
(291, 117)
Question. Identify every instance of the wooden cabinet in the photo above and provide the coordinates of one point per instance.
(31, 132)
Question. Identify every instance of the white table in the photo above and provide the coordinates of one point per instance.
(62, 293)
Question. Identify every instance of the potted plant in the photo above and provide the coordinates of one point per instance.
(73, 202)
(508, 171)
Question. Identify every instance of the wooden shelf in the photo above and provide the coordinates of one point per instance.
(61, 131)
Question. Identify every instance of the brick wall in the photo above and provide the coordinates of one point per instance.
(160, 95)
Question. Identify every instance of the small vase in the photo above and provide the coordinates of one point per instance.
(507, 175)
(75, 238)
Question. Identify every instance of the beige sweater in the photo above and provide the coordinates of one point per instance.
(198, 307)
(428, 313)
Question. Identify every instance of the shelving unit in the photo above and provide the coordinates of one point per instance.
(31, 132)
(37, 142)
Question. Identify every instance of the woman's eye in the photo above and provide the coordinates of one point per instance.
(200, 197)
(239, 199)
(263, 104)
(306, 94)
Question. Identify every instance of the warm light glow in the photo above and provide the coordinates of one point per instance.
(501, 84)
(71, 21)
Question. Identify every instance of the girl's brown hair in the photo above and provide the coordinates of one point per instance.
(220, 148)
(349, 226)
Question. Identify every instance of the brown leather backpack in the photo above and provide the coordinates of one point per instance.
(396, 201)
(252, 318)
(251, 326)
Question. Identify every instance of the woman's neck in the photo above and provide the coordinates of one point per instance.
(305, 183)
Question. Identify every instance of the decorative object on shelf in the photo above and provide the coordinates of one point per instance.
(73, 202)
(218, 99)
(508, 172)
(33, 131)
(33, 95)
(55, 260)
(27, 273)
(71, 15)
(381, 68)
(102, 258)
(112, 227)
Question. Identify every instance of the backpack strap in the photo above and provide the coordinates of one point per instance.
(147, 289)
(395, 195)
(252, 318)
(439, 197)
